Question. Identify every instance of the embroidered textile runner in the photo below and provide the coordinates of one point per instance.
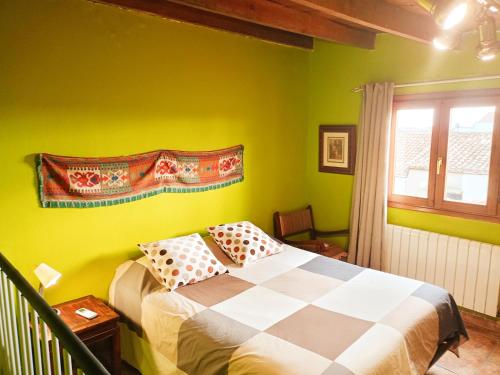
(94, 182)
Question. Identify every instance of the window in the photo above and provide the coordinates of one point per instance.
(445, 153)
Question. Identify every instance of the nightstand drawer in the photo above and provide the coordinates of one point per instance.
(92, 336)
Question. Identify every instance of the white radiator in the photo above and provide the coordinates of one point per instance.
(468, 269)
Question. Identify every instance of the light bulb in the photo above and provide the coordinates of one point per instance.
(455, 16)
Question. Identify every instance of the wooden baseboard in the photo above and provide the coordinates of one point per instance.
(480, 322)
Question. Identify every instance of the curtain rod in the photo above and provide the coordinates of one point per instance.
(444, 81)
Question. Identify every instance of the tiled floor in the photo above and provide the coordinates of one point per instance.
(478, 356)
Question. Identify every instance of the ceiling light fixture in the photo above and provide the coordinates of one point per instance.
(488, 44)
(447, 13)
(455, 17)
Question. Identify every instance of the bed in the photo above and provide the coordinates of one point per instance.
(295, 312)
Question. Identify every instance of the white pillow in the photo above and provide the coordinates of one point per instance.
(182, 260)
(244, 242)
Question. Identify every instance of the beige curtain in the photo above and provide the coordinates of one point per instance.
(369, 203)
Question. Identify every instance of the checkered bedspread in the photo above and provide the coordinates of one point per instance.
(292, 313)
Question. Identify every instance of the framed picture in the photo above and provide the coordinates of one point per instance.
(337, 148)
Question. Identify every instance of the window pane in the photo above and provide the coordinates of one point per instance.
(469, 152)
(412, 151)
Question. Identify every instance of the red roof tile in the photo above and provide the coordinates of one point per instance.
(468, 153)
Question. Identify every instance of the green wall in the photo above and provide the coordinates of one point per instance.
(83, 79)
(335, 70)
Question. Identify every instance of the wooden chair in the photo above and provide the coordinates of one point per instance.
(301, 221)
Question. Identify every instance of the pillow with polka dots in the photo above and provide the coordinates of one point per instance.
(243, 242)
(182, 260)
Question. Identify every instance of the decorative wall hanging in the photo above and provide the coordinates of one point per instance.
(337, 149)
(95, 182)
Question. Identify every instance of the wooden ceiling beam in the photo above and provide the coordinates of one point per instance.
(170, 10)
(375, 14)
(276, 15)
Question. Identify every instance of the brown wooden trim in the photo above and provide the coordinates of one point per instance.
(442, 145)
(392, 148)
(433, 160)
(491, 205)
(351, 130)
(167, 9)
(494, 177)
(409, 200)
(288, 18)
(480, 322)
(376, 15)
(463, 215)
(443, 102)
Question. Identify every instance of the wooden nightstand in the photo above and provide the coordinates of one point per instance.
(93, 331)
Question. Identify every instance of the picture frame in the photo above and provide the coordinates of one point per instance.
(337, 149)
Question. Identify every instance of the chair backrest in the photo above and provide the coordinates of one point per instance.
(294, 222)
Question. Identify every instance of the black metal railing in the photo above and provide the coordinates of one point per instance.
(33, 338)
